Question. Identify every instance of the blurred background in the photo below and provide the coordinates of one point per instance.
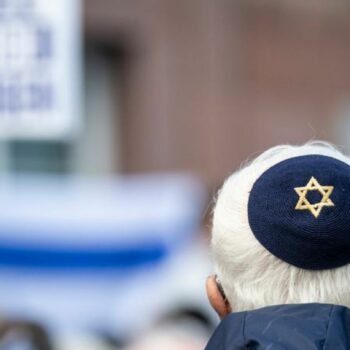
(119, 121)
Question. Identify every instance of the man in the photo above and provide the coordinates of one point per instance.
(281, 249)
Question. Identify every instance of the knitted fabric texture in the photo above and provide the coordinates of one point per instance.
(299, 210)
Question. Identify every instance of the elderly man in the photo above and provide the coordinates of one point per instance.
(281, 247)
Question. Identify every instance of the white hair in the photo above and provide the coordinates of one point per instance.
(250, 275)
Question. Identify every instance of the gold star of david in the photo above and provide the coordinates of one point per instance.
(313, 185)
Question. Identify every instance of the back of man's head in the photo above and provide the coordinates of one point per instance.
(281, 229)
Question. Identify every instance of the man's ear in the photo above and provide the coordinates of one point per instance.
(217, 299)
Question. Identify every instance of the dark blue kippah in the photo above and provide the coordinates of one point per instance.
(299, 210)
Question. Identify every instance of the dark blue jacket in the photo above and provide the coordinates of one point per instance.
(285, 327)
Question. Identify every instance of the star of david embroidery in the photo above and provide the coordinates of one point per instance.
(315, 208)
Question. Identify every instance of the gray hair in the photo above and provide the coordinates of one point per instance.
(250, 275)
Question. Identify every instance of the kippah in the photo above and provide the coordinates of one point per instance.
(299, 210)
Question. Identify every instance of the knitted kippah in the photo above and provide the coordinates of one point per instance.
(299, 210)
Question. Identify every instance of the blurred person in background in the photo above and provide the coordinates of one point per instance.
(184, 329)
(103, 104)
(281, 246)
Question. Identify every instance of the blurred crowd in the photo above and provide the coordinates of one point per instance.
(119, 120)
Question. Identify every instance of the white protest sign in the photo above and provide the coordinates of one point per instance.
(39, 69)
